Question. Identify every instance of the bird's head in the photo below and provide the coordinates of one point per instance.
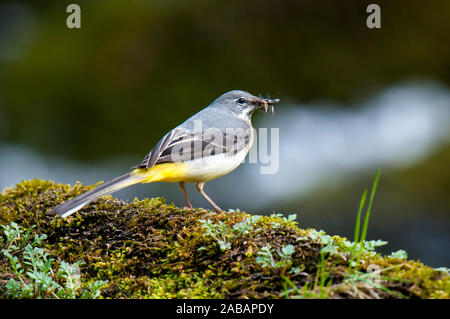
(243, 104)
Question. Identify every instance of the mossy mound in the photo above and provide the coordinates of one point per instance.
(149, 249)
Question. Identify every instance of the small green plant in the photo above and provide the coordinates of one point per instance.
(266, 260)
(224, 234)
(401, 254)
(290, 218)
(33, 269)
(220, 232)
(245, 226)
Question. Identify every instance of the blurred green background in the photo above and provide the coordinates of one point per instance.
(87, 104)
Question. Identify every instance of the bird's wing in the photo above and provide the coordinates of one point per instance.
(180, 145)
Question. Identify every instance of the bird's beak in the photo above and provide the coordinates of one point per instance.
(267, 104)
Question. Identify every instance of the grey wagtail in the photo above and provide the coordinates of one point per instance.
(206, 146)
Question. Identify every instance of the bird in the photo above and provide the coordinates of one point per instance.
(208, 145)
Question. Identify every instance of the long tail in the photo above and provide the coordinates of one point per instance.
(68, 208)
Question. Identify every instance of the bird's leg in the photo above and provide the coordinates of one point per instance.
(188, 202)
(200, 189)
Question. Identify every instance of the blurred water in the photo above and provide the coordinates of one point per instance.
(322, 141)
(397, 128)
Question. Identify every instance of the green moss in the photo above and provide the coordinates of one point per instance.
(149, 249)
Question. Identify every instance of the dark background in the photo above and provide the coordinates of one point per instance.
(86, 104)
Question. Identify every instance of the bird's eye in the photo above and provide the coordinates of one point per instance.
(241, 100)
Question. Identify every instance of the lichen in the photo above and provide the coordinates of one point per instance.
(151, 249)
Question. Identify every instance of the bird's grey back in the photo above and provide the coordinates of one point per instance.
(214, 116)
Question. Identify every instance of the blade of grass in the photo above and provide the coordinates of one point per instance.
(369, 207)
(358, 217)
(357, 228)
(367, 216)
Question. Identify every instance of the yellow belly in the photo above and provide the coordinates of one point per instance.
(166, 172)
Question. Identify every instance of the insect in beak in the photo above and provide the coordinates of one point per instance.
(270, 103)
